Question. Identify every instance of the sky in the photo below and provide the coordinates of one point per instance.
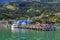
(7, 1)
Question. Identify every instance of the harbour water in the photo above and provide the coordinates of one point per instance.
(26, 34)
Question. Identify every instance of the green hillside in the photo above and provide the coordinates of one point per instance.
(16, 10)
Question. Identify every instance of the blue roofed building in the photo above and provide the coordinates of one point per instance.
(20, 22)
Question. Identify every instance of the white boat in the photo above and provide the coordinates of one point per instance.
(13, 25)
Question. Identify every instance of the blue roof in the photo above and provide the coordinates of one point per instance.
(21, 21)
(14, 22)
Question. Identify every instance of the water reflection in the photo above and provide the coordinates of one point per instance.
(49, 35)
(20, 30)
(26, 34)
(15, 30)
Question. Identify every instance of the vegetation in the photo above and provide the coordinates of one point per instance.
(17, 11)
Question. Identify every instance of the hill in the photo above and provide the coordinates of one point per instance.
(15, 10)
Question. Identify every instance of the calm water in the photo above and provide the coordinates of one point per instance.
(25, 34)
